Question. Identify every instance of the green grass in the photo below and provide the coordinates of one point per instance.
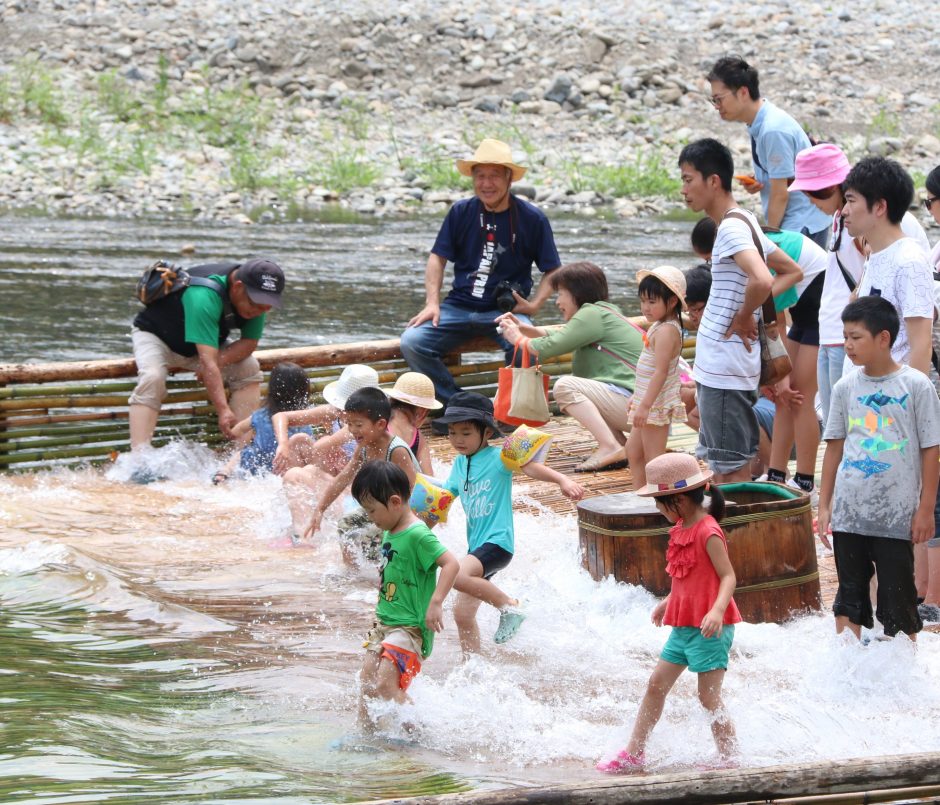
(648, 175)
(345, 171)
(39, 93)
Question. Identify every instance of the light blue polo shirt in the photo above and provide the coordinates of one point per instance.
(776, 139)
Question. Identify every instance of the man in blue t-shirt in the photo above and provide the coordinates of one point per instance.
(492, 239)
(776, 139)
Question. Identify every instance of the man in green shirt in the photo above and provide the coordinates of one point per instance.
(189, 330)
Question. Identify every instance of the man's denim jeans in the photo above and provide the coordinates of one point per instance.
(424, 346)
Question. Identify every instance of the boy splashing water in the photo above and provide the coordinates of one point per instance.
(411, 597)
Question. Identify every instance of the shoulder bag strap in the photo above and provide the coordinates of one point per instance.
(768, 311)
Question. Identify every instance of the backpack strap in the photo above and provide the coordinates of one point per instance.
(768, 311)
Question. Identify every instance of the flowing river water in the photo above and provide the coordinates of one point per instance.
(160, 645)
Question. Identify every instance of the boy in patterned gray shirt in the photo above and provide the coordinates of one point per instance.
(882, 437)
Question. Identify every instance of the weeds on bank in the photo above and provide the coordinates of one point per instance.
(648, 175)
(345, 171)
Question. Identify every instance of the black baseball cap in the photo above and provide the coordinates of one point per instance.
(264, 281)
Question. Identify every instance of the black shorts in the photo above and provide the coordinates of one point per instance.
(492, 557)
(805, 314)
(858, 558)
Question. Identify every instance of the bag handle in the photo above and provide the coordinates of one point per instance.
(768, 311)
(524, 344)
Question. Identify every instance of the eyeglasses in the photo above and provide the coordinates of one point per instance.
(928, 202)
(717, 99)
(822, 194)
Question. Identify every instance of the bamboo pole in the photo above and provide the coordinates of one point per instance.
(898, 772)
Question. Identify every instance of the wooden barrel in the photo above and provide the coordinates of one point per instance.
(770, 543)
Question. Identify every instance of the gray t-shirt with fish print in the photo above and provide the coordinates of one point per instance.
(885, 422)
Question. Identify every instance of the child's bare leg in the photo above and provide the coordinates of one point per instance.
(709, 694)
(299, 485)
(843, 623)
(654, 441)
(664, 676)
(379, 680)
(634, 451)
(465, 615)
(470, 581)
(932, 596)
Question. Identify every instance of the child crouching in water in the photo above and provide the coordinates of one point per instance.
(411, 595)
(288, 390)
(699, 606)
(656, 401)
(484, 485)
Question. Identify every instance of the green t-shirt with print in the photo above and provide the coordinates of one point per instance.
(203, 310)
(409, 576)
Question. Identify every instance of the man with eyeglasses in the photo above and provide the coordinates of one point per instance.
(776, 138)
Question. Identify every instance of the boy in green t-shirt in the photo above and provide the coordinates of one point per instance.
(411, 597)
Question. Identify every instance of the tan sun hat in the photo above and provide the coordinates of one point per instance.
(491, 152)
(671, 474)
(415, 388)
(669, 276)
(354, 377)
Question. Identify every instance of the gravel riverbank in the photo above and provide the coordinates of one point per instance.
(251, 111)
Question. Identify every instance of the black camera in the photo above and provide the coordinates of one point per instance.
(505, 301)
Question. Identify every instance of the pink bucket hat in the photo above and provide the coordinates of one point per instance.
(819, 167)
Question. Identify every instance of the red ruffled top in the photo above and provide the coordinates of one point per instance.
(694, 580)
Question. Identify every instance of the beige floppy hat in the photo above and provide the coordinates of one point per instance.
(491, 152)
(415, 388)
(669, 276)
(671, 474)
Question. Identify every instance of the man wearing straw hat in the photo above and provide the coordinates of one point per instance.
(493, 239)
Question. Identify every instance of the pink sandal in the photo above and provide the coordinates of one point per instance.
(623, 763)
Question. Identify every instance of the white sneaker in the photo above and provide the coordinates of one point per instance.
(813, 495)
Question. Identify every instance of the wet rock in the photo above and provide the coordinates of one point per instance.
(560, 89)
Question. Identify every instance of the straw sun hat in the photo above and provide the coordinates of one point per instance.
(669, 276)
(491, 152)
(671, 474)
(415, 388)
(354, 377)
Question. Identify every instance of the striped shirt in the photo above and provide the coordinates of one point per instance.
(724, 363)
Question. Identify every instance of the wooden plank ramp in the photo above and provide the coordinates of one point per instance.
(881, 779)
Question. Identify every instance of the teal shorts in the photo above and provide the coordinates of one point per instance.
(686, 646)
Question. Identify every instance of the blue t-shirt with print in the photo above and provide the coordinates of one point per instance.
(776, 139)
(487, 498)
(258, 455)
(487, 248)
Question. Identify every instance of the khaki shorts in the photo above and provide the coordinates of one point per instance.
(154, 360)
(570, 390)
(400, 645)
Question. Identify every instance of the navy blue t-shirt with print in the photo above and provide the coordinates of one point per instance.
(487, 248)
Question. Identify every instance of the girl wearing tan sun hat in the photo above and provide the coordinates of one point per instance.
(412, 397)
(656, 402)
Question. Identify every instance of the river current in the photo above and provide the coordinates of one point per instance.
(160, 644)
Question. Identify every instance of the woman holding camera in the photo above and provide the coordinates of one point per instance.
(606, 347)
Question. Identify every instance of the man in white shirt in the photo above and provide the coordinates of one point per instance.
(727, 354)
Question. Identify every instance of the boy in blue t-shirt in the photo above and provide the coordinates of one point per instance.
(484, 484)
(411, 597)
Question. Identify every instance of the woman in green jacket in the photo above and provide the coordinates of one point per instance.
(606, 347)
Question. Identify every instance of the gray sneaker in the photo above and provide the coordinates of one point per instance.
(510, 619)
(929, 613)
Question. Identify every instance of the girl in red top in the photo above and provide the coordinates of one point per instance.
(699, 606)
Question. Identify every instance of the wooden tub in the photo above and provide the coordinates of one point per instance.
(770, 543)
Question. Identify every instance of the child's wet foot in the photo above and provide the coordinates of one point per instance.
(510, 619)
(624, 763)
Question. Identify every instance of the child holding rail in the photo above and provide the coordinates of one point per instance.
(411, 595)
(656, 401)
(699, 607)
(879, 476)
(484, 485)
